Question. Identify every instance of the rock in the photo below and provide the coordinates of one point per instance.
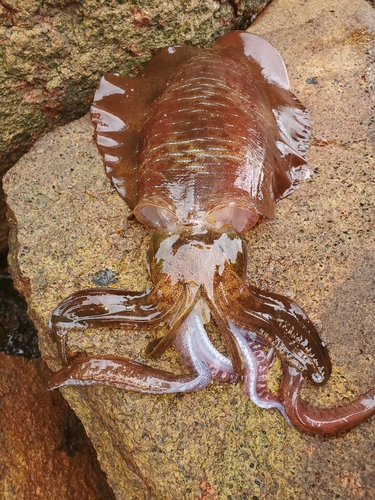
(43, 451)
(69, 225)
(52, 55)
(18, 335)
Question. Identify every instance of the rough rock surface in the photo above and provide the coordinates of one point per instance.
(52, 54)
(68, 226)
(41, 453)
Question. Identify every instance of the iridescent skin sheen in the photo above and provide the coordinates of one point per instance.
(201, 145)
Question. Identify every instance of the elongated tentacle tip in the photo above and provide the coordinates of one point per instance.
(322, 421)
(59, 379)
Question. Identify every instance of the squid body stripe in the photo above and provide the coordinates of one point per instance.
(172, 144)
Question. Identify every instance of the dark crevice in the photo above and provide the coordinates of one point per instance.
(18, 335)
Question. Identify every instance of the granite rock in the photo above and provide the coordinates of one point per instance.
(44, 452)
(69, 225)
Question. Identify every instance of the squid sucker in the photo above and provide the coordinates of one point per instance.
(201, 145)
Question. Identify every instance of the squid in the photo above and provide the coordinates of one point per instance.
(201, 145)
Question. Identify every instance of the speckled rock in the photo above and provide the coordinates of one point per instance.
(52, 54)
(69, 225)
(43, 451)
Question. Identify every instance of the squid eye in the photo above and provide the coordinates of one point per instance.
(156, 216)
(241, 219)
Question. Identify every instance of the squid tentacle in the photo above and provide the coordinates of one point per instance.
(231, 342)
(321, 421)
(190, 297)
(133, 376)
(292, 320)
(264, 362)
(107, 307)
(278, 320)
(221, 366)
(254, 388)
